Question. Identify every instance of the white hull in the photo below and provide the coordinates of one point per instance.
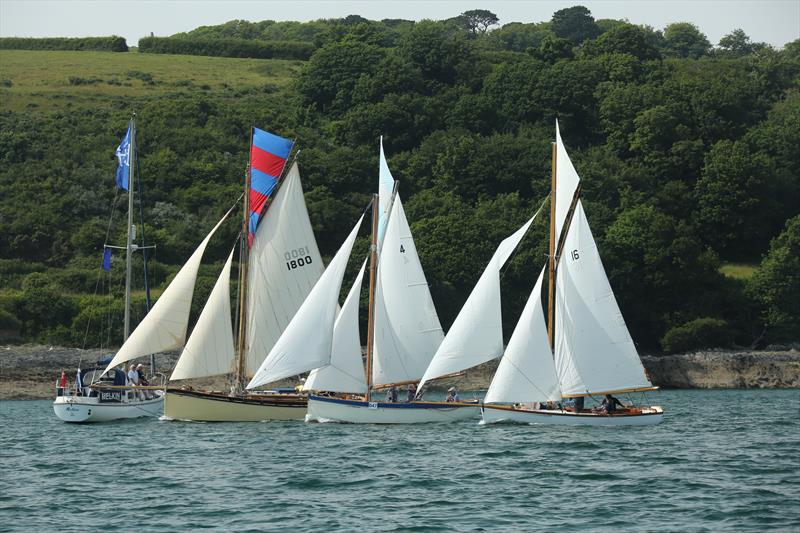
(501, 413)
(324, 409)
(217, 407)
(91, 409)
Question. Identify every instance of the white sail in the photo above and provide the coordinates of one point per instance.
(407, 328)
(284, 265)
(594, 352)
(476, 335)
(385, 188)
(306, 342)
(209, 350)
(527, 372)
(164, 327)
(345, 373)
(566, 183)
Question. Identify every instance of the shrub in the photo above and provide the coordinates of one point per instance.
(103, 44)
(226, 48)
(699, 333)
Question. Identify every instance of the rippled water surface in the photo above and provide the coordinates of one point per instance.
(721, 460)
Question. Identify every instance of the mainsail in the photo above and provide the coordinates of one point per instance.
(476, 335)
(284, 265)
(209, 350)
(164, 327)
(345, 373)
(567, 183)
(407, 328)
(307, 340)
(526, 372)
(385, 189)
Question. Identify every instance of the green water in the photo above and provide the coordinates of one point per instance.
(721, 460)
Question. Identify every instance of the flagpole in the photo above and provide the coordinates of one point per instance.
(129, 243)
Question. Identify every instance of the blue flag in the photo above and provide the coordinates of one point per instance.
(124, 156)
(107, 259)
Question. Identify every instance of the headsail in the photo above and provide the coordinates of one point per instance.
(164, 327)
(407, 328)
(594, 352)
(527, 372)
(306, 342)
(209, 350)
(476, 335)
(285, 263)
(345, 373)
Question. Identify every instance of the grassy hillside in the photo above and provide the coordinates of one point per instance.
(55, 80)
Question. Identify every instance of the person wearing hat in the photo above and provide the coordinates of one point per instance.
(452, 395)
(142, 378)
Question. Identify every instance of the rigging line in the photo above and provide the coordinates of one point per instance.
(516, 249)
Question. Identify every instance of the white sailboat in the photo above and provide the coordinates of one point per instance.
(593, 350)
(403, 331)
(278, 273)
(106, 398)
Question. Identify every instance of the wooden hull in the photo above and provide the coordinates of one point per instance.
(325, 409)
(217, 407)
(647, 416)
(91, 409)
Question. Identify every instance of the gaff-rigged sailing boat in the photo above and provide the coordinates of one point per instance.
(593, 350)
(403, 331)
(276, 276)
(106, 399)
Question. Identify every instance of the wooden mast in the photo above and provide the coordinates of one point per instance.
(552, 254)
(373, 263)
(243, 259)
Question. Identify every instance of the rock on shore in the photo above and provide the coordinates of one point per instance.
(30, 372)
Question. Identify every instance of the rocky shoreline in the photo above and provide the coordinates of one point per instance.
(30, 372)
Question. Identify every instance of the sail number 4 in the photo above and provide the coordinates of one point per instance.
(297, 258)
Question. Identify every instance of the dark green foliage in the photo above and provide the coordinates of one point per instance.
(100, 44)
(699, 333)
(683, 39)
(226, 47)
(574, 23)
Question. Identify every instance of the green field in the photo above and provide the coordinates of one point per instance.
(738, 270)
(54, 80)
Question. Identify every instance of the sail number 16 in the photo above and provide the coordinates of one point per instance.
(297, 257)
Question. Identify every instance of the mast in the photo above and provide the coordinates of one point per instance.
(373, 262)
(129, 243)
(552, 254)
(243, 259)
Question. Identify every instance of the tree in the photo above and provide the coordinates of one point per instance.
(776, 284)
(624, 39)
(736, 43)
(478, 20)
(683, 39)
(574, 23)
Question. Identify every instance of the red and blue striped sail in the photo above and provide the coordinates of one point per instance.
(268, 157)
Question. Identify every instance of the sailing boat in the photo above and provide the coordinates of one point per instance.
(403, 331)
(276, 275)
(107, 398)
(589, 351)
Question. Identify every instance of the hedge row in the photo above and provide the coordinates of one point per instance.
(104, 44)
(226, 47)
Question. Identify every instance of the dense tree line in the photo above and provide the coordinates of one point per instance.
(687, 152)
(99, 44)
(226, 47)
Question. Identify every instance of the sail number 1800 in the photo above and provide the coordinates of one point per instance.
(297, 258)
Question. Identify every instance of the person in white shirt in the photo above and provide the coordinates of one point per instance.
(133, 377)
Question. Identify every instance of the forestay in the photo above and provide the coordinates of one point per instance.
(306, 342)
(209, 350)
(527, 372)
(284, 265)
(407, 328)
(594, 352)
(164, 327)
(476, 335)
(345, 373)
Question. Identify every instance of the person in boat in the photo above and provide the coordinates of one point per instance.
(133, 377)
(143, 378)
(391, 394)
(411, 392)
(62, 383)
(609, 405)
(452, 395)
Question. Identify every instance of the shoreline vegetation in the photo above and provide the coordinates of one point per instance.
(29, 372)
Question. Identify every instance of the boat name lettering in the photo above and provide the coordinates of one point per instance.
(111, 396)
(575, 255)
(373, 405)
